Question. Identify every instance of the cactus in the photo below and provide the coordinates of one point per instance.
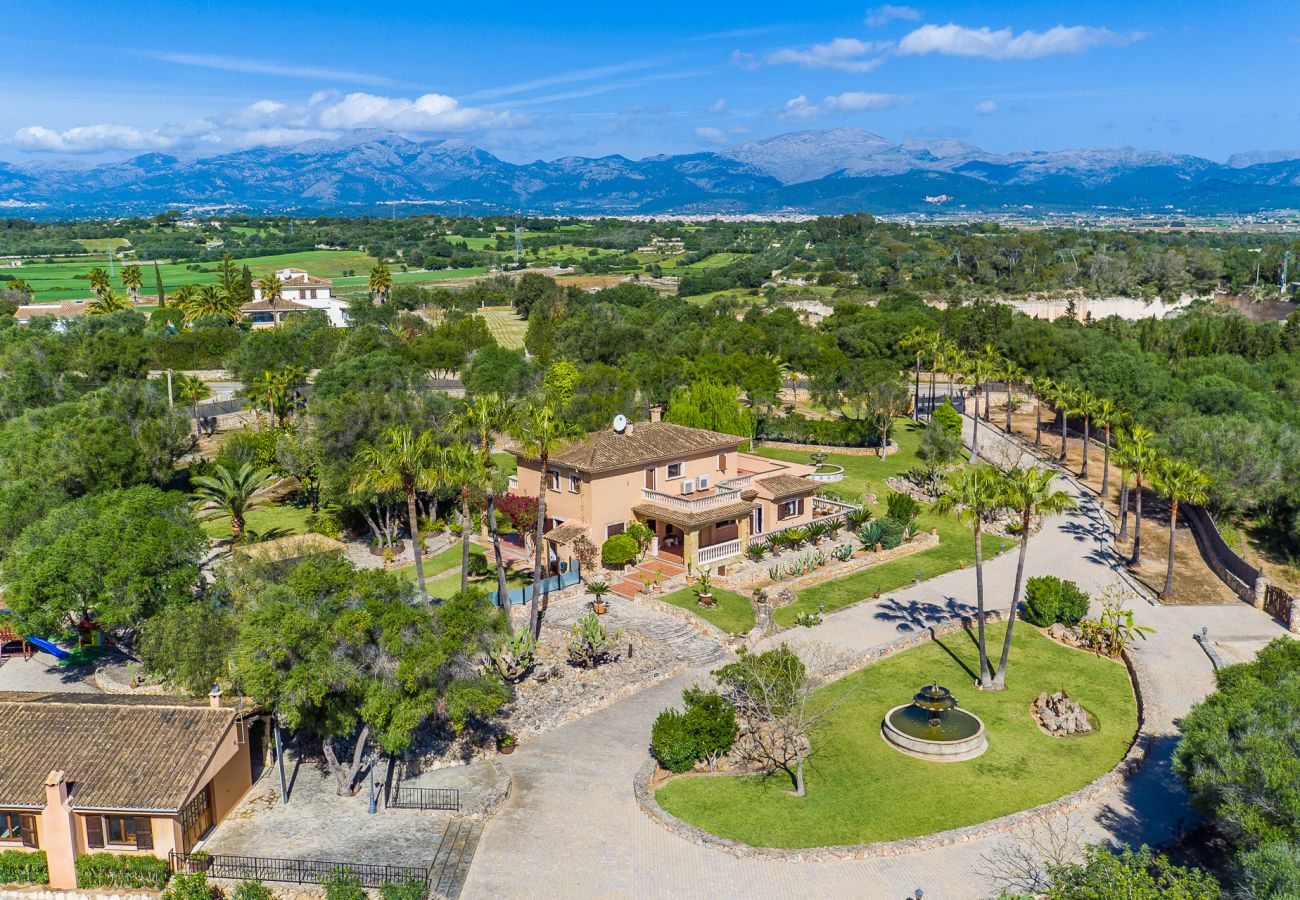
(774, 572)
(589, 643)
(513, 656)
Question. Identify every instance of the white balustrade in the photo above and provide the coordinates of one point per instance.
(717, 553)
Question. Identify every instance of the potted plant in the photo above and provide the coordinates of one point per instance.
(598, 590)
(506, 744)
(704, 589)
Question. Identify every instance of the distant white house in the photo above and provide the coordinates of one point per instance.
(298, 291)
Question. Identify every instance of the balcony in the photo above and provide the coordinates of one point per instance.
(697, 502)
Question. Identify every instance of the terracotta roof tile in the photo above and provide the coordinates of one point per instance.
(642, 443)
(783, 486)
(692, 520)
(280, 305)
(127, 753)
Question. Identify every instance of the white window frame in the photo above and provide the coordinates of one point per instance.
(790, 509)
(681, 470)
(575, 483)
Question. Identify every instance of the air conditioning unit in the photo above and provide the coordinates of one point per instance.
(703, 482)
(688, 486)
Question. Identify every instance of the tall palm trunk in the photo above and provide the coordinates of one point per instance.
(1123, 506)
(1083, 470)
(1000, 678)
(1173, 535)
(502, 590)
(534, 610)
(1137, 519)
(988, 399)
(1064, 426)
(1105, 466)
(933, 387)
(916, 403)
(413, 523)
(1038, 424)
(464, 536)
(975, 431)
(985, 675)
(1008, 407)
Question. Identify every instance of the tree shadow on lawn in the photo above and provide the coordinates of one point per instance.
(955, 658)
(915, 615)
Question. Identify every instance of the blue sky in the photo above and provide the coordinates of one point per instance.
(91, 81)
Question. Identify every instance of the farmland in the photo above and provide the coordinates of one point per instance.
(506, 326)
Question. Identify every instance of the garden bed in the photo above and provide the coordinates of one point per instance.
(730, 613)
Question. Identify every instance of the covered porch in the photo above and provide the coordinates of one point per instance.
(697, 539)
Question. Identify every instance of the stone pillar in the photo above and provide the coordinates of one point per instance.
(1293, 617)
(1261, 591)
(57, 833)
(690, 547)
(742, 531)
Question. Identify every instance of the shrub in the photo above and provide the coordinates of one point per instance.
(1272, 870)
(1134, 874)
(671, 743)
(113, 871)
(343, 884)
(478, 566)
(618, 550)
(1074, 604)
(710, 723)
(409, 889)
(755, 551)
(189, 887)
(948, 417)
(1042, 600)
(251, 889)
(24, 867)
(891, 532)
(903, 508)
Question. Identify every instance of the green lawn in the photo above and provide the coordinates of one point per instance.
(290, 519)
(732, 613)
(864, 474)
(506, 327)
(440, 562)
(861, 790)
(505, 462)
(65, 278)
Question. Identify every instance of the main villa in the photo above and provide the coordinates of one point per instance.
(701, 496)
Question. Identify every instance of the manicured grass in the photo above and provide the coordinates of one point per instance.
(440, 562)
(505, 462)
(732, 613)
(281, 517)
(445, 587)
(862, 790)
(506, 327)
(863, 474)
(65, 278)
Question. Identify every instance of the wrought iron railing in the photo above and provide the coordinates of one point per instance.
(291, 871)
(424, 798)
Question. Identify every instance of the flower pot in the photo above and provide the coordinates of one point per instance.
(506, 749)
(599, 607)
(704, 599)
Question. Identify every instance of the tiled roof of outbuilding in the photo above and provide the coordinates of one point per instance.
(641, 443)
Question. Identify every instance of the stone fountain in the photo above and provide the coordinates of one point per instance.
(931, 727)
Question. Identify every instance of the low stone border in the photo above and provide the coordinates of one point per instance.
(42, 892)
(699, 623)
(486, 807)
(830, 571)
(1125, 769)
(826, 448)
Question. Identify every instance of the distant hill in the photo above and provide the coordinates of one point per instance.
(833, 171)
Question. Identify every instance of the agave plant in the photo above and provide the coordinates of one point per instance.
(820, 559)
(793, 569)
(774, 572)
(870, 534)
(514, 655)
(817, 532)
(843, 552)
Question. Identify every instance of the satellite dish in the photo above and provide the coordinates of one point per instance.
(620, 423)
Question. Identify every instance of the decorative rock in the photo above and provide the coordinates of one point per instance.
(1056, 631)
(1060, 716)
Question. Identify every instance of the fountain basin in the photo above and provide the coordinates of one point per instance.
(958, 737)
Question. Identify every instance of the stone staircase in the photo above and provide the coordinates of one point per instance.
(451, 863)
(684, 643)
(634, 581)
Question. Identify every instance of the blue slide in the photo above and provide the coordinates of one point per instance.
(48, 646)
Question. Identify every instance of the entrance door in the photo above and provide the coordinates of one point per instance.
(196, 818)
(756, 521)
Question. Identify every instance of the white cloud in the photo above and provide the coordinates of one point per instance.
(955, 40)
(883, 15)
(719, 106)
(711, 135)
(986, 108)
(801, 109)
(840, 54)
(91, 139)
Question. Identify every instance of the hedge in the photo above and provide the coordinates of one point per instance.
(839, 432)
(114, 871)
(24, 867)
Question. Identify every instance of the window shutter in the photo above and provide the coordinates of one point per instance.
(94, 832)
(143, 833)
(30, 837)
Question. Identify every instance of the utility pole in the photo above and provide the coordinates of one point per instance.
(1286, 260)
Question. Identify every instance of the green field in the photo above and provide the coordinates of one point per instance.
(281, 519)
(864, 474)
(101, 245)
(732, 613)
(862, 790)
(506, 326)
(65, 278)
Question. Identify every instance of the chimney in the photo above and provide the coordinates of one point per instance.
(214, 697)
(656, 413)
(56, 790)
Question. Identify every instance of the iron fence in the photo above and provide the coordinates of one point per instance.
(291, 871)
(424, 798)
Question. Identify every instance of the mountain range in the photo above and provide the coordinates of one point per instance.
(836, 171)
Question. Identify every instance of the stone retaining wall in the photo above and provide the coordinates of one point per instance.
(41, 892)
(826, 448)
(749, 578)
(1127, 767)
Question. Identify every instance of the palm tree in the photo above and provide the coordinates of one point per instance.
(231, 494)
(269, 286)
(210, 300)
(381, 282)
(108, 301)
(1064, 400)
(403, 461)
(1124, 460)
(1085, 405)
(973, 494)
(193, 389)
(935, 350)
(461, 467)
(993, 362)
(1181, 482)
(1106, 414)
(981, 370)
(482, 417)
(1043, 388)
(98, 279)
(540, 432)
(132, 282)
(288, 380)
(1029, 492)
(917, 340)
(1010, 373)
(1142, 457)
(263, 389)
